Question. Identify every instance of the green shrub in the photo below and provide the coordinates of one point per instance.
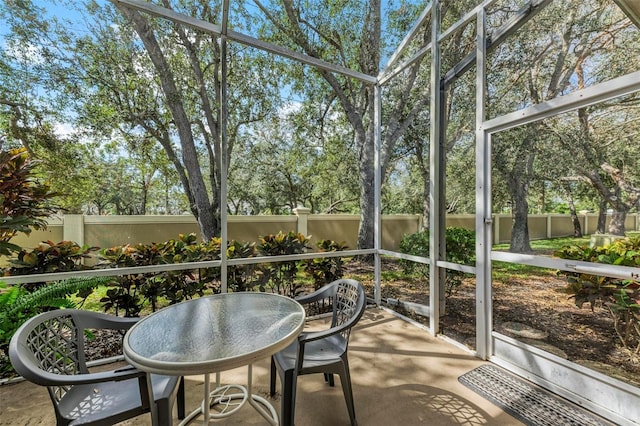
(50, 257)
(242, 277)
(280, 277)
(132, 292)
(416, 244)
(207, 251)
(327, 269)
(620, 296)
(129, 292)
(135, 291)
(460, 248)
(176, 286)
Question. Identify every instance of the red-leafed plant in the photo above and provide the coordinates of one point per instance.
(25, 202)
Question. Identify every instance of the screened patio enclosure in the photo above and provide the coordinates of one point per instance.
(456, 56)
(492, 24)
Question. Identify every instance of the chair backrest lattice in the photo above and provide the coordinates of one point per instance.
(319, 307)
(345, 305)
(56, 345)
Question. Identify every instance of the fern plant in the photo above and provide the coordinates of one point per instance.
(17, 305)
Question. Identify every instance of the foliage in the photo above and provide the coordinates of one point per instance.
(280, 277)
(134, 290)
(24, 201)
(126, 293)
(416, 244)
(460, 248)
(327, 269)
(625, 309)
(620, 296)
(11, 226)
(177, 286)
(206, 251)
(50, 257)
(17, 305)
(131, 293)
(241, 277)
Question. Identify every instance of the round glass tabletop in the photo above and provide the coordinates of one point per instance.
(213, 333)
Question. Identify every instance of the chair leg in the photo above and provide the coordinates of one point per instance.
(272, 378)
(288, 398)
(328, 378)
(165, 416)
(345, 379)
(180, 397)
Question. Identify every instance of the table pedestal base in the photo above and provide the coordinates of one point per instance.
(229, 402)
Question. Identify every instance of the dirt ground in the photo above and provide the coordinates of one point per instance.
(542, 303)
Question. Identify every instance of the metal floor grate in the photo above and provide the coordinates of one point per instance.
(526, 401)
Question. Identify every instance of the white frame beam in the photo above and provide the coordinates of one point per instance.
(214, 29)
(377, 234)
(483, 200)
(410, 36)
(597, 93)
(523, 16)
(435, 208)
(224, 142)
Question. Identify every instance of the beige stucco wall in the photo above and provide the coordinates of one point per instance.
(341, 228)
(554, 225)
(101, 231)
(109, 231)
(466, 221)
(394, 227)
(559, 225)
(52, 233)
(251, 228)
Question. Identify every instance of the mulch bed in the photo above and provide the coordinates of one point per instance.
(540, 302)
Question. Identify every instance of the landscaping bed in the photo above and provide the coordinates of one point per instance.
(538, 303)
(535, 302)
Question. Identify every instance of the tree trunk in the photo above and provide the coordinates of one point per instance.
(618, 218)
(145, 195)
(426, 206)
(423, 167)
(520, 230)
(602, 217)
(577, 227)
(367, 196)
(201, 207)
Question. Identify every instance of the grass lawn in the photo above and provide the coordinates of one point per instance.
(547, 247)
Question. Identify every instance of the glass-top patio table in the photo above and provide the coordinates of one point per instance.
(213, 334)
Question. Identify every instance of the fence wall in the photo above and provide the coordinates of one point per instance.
(109, 231)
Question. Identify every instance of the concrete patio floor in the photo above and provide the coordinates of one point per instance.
(401, 376)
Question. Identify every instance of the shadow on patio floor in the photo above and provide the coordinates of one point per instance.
(401, 376)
